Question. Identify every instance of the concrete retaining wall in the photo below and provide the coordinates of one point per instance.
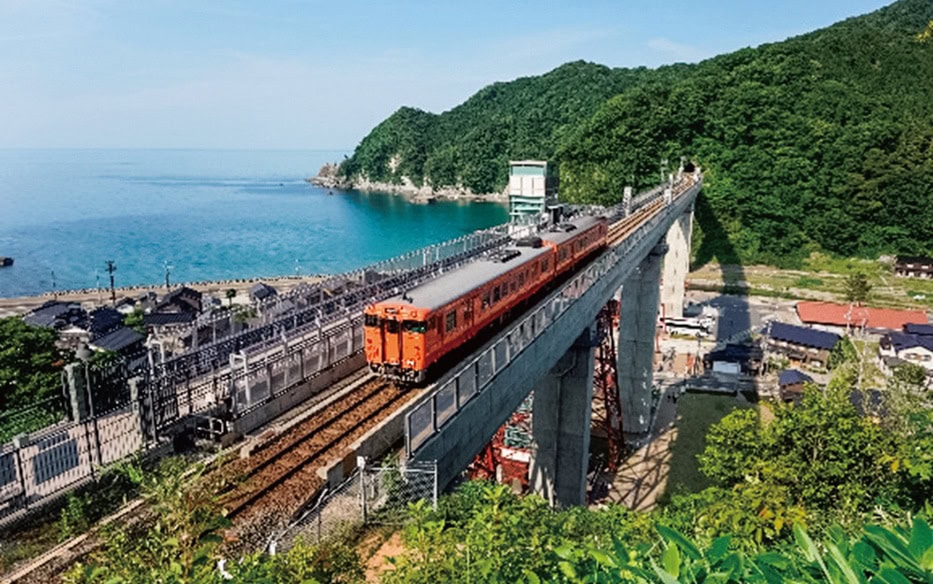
(287, 400)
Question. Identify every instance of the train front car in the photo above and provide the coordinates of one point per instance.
(407, 334)
(575, 240)
(396, 334)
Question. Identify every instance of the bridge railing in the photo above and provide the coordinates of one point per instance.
(474, 377)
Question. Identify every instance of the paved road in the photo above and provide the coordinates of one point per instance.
(738, 314)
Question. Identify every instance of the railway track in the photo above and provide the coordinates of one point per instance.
(281, 479)
(621, 228)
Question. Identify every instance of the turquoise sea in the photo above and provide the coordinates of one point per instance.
(210, 214)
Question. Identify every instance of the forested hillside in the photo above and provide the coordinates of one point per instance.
(820, 142)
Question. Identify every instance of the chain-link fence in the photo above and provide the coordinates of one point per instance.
(372, 495)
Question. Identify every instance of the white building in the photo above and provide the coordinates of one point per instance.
(532, 187)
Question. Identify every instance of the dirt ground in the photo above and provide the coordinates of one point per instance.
(378, 563)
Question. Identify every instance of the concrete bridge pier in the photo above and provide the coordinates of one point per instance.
(677, 264)
(637, 327)
(561, 425)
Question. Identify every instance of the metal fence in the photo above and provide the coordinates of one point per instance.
(371, 495)
(425, 420)
(39, 467)
(317, 305)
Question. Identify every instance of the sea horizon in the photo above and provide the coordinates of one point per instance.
(210, 214)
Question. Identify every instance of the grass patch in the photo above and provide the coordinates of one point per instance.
(808, 282)
(696, 413)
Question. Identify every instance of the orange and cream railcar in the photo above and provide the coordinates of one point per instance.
(406, 334)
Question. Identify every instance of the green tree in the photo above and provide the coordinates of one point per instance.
(134, 320)
(910, 375)
(734, 447)
(230, 294)
(30, 364)
(857, 288)
(843, 353)
(926, 34)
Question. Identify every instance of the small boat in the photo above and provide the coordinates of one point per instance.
(5, 261)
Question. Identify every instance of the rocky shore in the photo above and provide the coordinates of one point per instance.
(328, 178)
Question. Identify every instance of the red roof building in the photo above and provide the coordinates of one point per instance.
(851, 316)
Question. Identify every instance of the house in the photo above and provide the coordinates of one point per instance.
(125, 305)
(183, 299)
(56, 315)
(801, 344)
(261, 291)
(916, 349)
(923, 330)
(842, 318)
(101, 321)
(913, 267)
(167, 319)
(790, 384)
(124, 341)
(747, 357)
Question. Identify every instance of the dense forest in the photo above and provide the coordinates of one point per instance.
(822, 142)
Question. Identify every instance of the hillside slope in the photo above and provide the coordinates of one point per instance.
(820, 142)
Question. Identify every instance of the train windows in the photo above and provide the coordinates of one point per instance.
(544, 265)
(451, 320)
(521, 279)
(496, 295)
(414, 326)
(391, 326)
(486, 300)
(514, 285)
(370, 320)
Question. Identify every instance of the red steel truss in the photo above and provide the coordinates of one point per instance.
(608, 408)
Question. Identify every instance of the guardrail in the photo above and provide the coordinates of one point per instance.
(442, 404)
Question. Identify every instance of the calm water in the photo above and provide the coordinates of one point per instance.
(209, 214)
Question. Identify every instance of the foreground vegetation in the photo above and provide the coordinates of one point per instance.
(30, 374)
(826, 491)
(823, 142)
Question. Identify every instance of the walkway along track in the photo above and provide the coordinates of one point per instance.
(281, 479)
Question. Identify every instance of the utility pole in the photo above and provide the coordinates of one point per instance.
(168, 270)
(112, 267)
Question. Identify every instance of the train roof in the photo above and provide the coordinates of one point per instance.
(559, 233)
(446, 288)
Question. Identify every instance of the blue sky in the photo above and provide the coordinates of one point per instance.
(320, 75)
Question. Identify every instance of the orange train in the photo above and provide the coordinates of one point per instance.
(408, 334)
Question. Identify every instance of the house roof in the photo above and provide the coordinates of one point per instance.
(182, 297)
(118, 339)
(167, 318)
(736, 354)
(829, 313)
(914, 260)
(902, 341)
(103, 320)
(923, 330)
(799, 335)
(55, 313)
(261, 291)
(792, 376)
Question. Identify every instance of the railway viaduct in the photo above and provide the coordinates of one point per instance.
(551, 350)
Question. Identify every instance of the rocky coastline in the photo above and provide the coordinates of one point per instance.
(328, 178)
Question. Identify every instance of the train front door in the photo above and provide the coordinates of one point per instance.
(392, 341)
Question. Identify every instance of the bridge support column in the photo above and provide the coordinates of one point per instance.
(637, 327)
(677, 265)
(561, 425)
